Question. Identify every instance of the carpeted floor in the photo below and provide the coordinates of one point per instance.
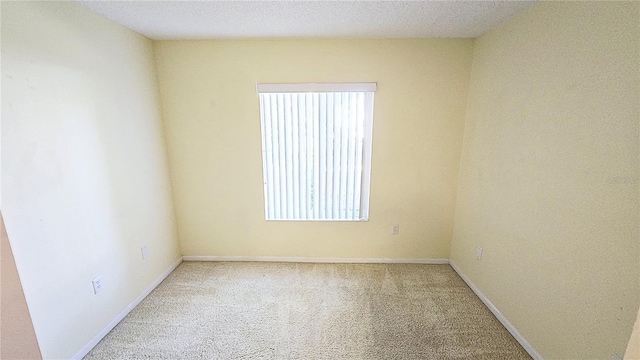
(224, 310)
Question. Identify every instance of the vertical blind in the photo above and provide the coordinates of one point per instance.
(316, 148)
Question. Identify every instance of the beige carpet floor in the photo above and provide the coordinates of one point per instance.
(224, 310)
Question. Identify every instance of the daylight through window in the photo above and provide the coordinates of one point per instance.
(316, 150)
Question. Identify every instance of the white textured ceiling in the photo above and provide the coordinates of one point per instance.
(167, 20)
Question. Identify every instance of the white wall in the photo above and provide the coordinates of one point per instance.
(85, 181)
(548, 183)
(550, 176)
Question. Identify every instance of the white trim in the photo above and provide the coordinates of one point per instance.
(315, 87)
(366, 157)
(514, 332)
(91, 344)
(318, 259)
(512, 329)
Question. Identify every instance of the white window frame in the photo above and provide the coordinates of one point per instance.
(367, 139)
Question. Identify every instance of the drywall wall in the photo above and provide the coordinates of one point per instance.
(212, 120)
(18, 340)
(633, 347)
(85, 181)
(549, 176)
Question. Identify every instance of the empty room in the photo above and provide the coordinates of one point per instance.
(320, 180)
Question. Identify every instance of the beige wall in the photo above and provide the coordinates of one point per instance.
(18, 340)
(548, 183)
(549, 176)
(633, 347)
(84, 172)
(212, 121)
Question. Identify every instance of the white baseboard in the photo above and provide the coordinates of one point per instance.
(319, 259)
(514, 332)
(91, 344)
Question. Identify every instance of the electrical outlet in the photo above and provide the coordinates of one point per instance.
(145, 252)
(395, 229)
(97, 284)
(479, 253)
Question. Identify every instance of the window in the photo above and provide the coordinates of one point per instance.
(316, 150)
